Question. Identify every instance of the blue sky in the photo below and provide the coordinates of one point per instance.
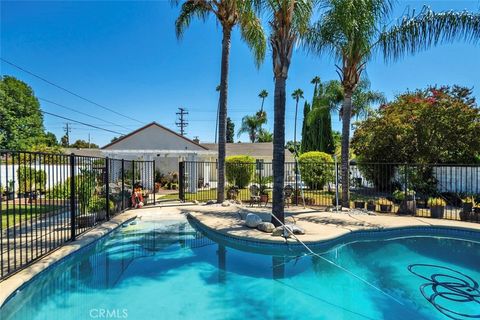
(125, 55)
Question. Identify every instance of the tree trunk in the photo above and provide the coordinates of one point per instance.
(347, 112)
(222, 115)
(279, 150)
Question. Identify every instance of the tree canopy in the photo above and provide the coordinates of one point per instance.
(21, 120)
(434, 125)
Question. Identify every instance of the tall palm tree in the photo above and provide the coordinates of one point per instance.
(262, 95)
(252, 125)
(315, 81)
(353, 31)
(229, 13)
(297, 95)
(289, 21)
(218, 110)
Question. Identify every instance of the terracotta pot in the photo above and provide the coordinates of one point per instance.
(264, 198)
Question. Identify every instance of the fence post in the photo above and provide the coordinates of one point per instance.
(133, 176)
(72, 198)
(406, 181)
(296, 182)
(181, 181)
(123, 184)
(153, 180)
(107, 187)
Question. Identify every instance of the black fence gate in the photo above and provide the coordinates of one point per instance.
(49, 199)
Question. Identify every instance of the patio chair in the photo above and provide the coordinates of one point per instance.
(288, 192)
(254, 195)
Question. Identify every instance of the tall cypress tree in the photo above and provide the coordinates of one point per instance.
(305, 135)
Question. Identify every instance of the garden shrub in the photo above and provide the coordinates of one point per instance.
(316, 168)
(30, 179)
(239, 170)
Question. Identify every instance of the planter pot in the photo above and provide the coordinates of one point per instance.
(466, 211)
(385, 208)
(407, 207)
(359, 204)
(477, 213)
(371, 206)
(437, 212)
(101, 216)
(11, 195)
(86, 221)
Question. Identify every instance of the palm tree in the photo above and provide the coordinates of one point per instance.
(315, 81)
(229, 13)
(262, 95)
(252, 125)
(218, 110)
(264, 136)
(297, 95)
(289, 21)
(352, 31)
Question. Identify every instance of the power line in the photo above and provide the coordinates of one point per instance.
(83, 113)
(182, 122)
(82, 123)
(68, 91)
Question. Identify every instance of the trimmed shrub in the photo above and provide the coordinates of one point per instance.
(239, 170)
(316, 168)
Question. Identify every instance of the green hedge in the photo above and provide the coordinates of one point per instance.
(316, 168)
(239, 170)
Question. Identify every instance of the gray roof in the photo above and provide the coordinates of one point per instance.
(84, 152)
(262, 150)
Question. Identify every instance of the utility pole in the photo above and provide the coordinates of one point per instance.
(89, 140)
(182, 122)
(67, 132)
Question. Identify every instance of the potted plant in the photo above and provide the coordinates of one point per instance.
(467, 206)
(476, 212)
(437, 207)
(407, 202)
(385, 205)
(99, 208)
(263, 194)
(371, 205)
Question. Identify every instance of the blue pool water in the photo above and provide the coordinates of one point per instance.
(170, 271)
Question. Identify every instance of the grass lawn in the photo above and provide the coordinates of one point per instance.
(22, 212)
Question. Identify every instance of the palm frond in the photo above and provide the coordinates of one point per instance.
(252, 32)
(190, 9)
(415, 33)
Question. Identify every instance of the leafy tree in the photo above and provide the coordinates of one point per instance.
(229, 13)
(230, 130)
(21, 120)
(352, 31)
(435, 125)
(289, 21)
(64, 141)
(316, 169)
(305, 133)
(240, 170)
(291, 146)
(83, 144)
(264, 136)
(50, 140)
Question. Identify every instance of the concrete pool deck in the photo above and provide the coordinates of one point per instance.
(319, 226)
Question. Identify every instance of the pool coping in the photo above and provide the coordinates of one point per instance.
(10, 286)
(292, 246)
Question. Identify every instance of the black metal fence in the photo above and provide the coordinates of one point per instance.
(429, 190)
(49, 199)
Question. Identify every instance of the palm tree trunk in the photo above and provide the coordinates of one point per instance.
(261, 108)
(279, 150)
(222, 115)
(347, 112)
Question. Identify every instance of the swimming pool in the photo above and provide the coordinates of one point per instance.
(168, 270)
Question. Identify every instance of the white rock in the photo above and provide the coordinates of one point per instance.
(225, 204)
(209, 202)
(266, 227)
(295, 229)
(195, 201)
(252, 220)
(278, 232)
